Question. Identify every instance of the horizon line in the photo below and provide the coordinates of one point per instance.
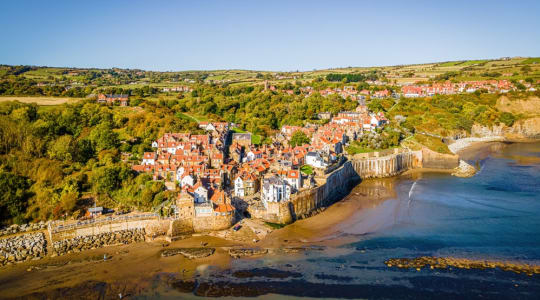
(255, 70)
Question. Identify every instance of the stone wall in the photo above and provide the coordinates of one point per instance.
(22, 228)
(179, 227)
(389, 165)
(151, 225)
(16, 249)
(435, 160)
(81, 243)
(211, 223)
(340, 182)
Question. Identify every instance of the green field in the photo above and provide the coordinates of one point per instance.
(532, 60)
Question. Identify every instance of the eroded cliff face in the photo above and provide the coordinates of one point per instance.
(529, 106)
(522, 129)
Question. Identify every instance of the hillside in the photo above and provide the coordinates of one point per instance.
(59, 147)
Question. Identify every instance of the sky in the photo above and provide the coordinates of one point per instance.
(263, 35)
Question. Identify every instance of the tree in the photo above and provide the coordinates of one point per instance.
(103, 137)
(62, 149)
(299, 138)
(13, 196)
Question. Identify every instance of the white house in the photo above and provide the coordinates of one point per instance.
(250, 156)
(275, 189)
(187, 180)
(294, 179)
(200, 194)
(179, 173)
(149, 158)
(239, 187)
(314, 159)
(203, 209)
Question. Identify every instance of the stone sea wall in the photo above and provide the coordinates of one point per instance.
(435, 160)
(22, 228)
(80, 243)
(95, 229)
(340, 182)
(16, 249)
(389, 165)
(178, 227)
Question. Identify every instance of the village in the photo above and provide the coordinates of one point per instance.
(223, 174)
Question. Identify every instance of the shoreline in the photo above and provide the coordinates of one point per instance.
(465, 143)
(134, 265)
(131, 268)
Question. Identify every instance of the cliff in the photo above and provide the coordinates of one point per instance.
(521, 129)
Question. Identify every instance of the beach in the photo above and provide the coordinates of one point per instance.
(373, 206)
(130, 266)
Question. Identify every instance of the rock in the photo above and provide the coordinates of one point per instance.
(464, 170)
(191, 253)
(237, 253)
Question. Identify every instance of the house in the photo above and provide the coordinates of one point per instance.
(324, 115)
(113, 99)
(294, 179)
(242, 139)
(95, 211)
(315, 160)
(185, 208)
(187, 180)
(221, 204)
(149, 158)
(239, 187)
(275, 189)
(200, 193)
(381, 94)
(245, 184)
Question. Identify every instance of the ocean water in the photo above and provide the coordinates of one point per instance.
(493, 215)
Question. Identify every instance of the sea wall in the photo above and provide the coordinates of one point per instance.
(22, 228)
(340, 182)
(16, 249)
(81, 243)
(212, 223)
(179, 227)
(436, 160)
(389, 165)
(151, 225)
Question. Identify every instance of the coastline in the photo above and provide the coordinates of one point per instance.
(130, 268)
(466, 143)
(133, 269)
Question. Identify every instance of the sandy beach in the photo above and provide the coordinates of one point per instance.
(463, 144)
(129, 268)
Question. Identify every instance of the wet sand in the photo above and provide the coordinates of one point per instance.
(130, 269)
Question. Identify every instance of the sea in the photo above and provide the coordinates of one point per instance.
(494, 215)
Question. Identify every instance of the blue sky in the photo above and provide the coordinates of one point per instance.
(263, 35)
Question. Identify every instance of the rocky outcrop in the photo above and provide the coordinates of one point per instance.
(461, 263)
(81, 243)
(22, 248)
(243, 252)
(464, 170)
(190, 253)
(521, 129)
(22, 228)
